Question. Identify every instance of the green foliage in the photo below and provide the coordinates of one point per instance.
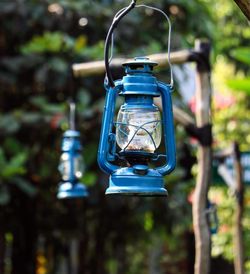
(232, 124)
(148, 221)
(49, 42)
(9, 124)
(38, 44)
(222, 240)
(12, 167)
(58, 43)
(41, 102)
(89, 178)
(240, 85)
(241, 54)
(25, 186)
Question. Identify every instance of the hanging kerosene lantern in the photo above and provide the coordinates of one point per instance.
(71, 162)
(138, 125)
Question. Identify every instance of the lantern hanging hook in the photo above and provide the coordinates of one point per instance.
(72, 114)
(110, 40)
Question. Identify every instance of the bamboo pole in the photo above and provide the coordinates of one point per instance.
(97, 67)
(238, 231)
(203, 108)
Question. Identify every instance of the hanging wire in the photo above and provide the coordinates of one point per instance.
(72, 114)
(169, 38)
(117, 19)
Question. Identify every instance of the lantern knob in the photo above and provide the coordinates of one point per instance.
(140, 169)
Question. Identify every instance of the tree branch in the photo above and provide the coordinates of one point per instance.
(244, 5)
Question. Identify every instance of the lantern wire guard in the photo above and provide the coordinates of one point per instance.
(138, 126)
(71, 165)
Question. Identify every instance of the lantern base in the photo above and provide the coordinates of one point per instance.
(69, 190)
(125, 181)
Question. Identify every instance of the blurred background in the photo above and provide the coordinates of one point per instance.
(39, 41)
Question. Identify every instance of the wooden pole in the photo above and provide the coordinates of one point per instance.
(201, 130)
(238, 239)
(97, 67)
(244, 5)
(203, 108)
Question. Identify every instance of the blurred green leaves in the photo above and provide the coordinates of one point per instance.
(89, 178)
(57, 43)
(241, 54)
(48, 42)
(240, 85)
(12, 170)
(14, 166)
(25, 186)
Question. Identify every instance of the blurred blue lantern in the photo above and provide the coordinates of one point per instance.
(71, 163)
(138, 127)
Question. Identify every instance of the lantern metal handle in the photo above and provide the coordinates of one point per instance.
(107, 124)
(110, 40)
(72, 114)
(165, 91)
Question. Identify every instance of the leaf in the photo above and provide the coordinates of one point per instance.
(80, 43)
(38, 101)
(83, 99)
(42, 103)
(241, 54)
(148, 221)
(48, 42)
(240, 85)
(11, 146)
(8, 124)
(25, 186)
(94, 52)
(15, 166)
(19, 63)
(89, 178)
(31, 117)
(58, 65)
(2, 159)
(4, 195)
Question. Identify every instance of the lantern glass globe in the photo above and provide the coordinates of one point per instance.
(138, 128)
(78, 166)
(71, 168)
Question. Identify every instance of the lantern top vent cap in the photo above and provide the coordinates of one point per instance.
(140, 61)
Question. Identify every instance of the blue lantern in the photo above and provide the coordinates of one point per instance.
(71, 163)
(138, 128)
